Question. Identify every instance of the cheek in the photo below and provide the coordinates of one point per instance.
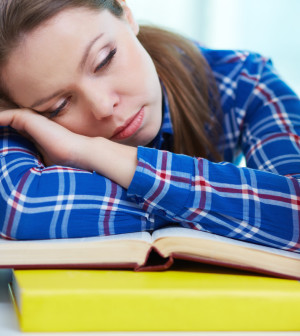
(69, 123)
(148, 74)
(74, 122)
(84, 124)
(138, 69)
(151, 80)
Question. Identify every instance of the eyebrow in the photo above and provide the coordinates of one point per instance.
(81, 66)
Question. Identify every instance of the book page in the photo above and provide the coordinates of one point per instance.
(190, 233)
(143, 236)
(131, 248)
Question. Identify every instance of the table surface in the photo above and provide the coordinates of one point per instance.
(9, 324)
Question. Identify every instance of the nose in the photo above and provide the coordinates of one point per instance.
(100, 103)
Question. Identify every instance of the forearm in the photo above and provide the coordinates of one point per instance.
(38, 202)
(112, 160)
(242, 203)
(60, 146)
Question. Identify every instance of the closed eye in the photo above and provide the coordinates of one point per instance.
(107, 60)
(59, 108)
(54, 113)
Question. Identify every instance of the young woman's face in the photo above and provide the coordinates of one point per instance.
(87, 71)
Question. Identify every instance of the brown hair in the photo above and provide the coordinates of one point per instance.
(186, 76)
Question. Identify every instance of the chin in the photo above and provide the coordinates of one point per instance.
(146, 139)
(136, 141)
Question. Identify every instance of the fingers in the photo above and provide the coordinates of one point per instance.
(6, 117)
(17, 118)
(9, 118)
(56, 143)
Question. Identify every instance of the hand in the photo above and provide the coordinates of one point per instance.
(60, 146)
(56, 144)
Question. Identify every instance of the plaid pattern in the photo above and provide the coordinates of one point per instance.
(260, 203)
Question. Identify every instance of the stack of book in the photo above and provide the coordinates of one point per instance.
(59, 293)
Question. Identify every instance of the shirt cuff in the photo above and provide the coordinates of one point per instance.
(162, 182)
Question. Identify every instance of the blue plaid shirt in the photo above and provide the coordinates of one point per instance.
(259, 203)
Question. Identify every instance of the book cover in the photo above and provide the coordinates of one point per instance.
(176, 300)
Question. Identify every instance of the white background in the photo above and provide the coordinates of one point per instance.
(270, 27)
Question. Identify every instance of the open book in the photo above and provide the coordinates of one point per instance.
(145, 251)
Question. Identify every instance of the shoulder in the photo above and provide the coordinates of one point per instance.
(230, 56)
(241, 71)
(235, 62)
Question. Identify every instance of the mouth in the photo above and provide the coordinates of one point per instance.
(130, 126)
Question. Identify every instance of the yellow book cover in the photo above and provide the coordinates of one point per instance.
(175, 300)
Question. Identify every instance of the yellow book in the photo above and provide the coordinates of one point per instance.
(174, 300)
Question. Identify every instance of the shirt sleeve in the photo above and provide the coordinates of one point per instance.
(38, 202)
(259, 203)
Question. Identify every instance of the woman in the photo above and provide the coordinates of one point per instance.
(95, 108)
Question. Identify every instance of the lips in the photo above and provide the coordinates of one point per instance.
(130, 126)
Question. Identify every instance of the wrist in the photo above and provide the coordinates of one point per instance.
(113, 160)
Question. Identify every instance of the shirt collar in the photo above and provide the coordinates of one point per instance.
(166, 126)
(164, 138)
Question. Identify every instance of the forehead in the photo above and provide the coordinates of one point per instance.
(49, 55)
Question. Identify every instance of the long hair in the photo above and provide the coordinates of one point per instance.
(191, 89)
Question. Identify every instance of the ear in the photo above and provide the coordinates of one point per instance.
(129, 17)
